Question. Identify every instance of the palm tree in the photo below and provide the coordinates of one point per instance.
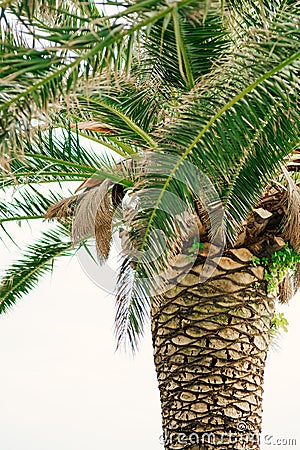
(200, 101)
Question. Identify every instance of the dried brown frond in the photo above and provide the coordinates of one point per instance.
(286, 290)
(5, 164)
(292, 221)
(93, 126)
(296, 278)
(93, 217)
(103, 226)
(202, 218)
(62, 210)
(5, 168)
(89, 183)
(294, 161)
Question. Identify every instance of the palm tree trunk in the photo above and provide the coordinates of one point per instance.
(210, 346)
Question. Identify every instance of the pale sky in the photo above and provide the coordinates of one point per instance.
(64, 387)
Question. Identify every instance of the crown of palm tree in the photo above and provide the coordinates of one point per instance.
(214, 85)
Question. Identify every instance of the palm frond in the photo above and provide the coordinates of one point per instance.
(22, 89)
(34, 80)
(93, 216)
(92, 209)
(132, 307)
(57, 155)
(111, 143)
(71, 9)
(112, 110)
(292, 200)
(190, 43)
(22, 276)
(27, 204)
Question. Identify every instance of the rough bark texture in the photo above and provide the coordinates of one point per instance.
(210, 345)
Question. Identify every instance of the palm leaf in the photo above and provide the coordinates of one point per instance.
(28, 204)
(113, 110)
(189, 45)
(54, 76)
(57, 155)
(22, 276)
(132, 307)
(44, 8)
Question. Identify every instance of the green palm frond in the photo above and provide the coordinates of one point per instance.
(57, 155)
(83, 43)
(132, 307)
(131, 111)
(141, 276)
(28, 204)
(183, 46)
(22, 70)
(32, 79)
(22, 276)
(110, 142)
(39, 79)
(250, 13)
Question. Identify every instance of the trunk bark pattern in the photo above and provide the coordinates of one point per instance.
(210, 345)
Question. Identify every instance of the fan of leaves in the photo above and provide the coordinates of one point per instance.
(205, 94)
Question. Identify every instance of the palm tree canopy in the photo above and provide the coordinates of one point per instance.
(189, 94)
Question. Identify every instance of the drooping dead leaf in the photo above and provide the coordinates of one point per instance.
(89, 183)
(93, 126)
(286, 290)
(4, 164)
(292, 222)
(62, 210)
(93, 218)
(297, 278)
